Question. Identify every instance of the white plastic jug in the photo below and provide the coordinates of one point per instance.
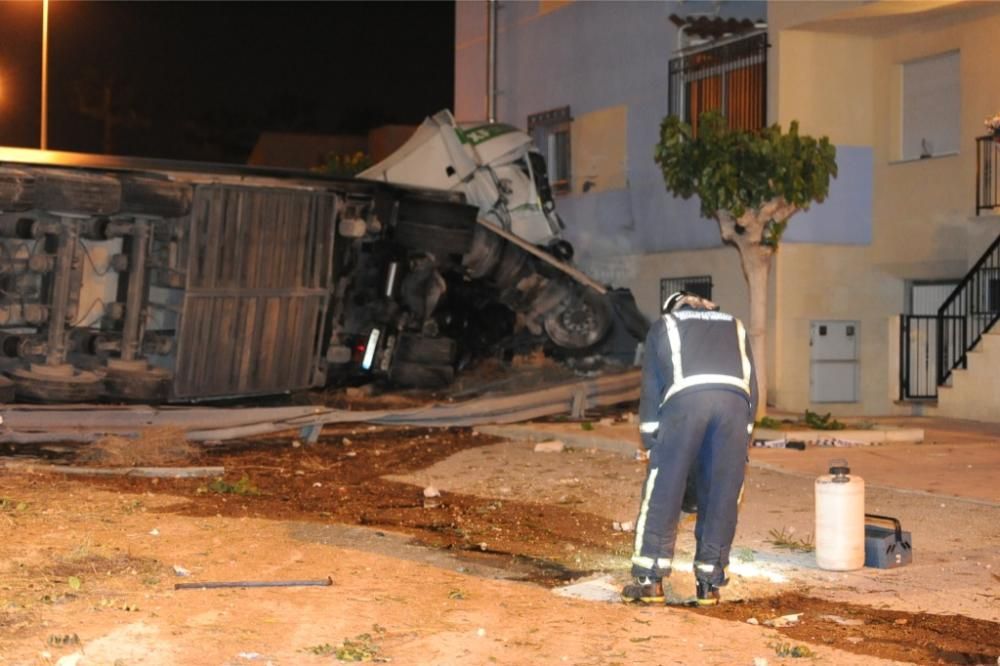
(840, 519)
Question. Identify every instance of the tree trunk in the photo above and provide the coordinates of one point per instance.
(747, 234)
(756, 260)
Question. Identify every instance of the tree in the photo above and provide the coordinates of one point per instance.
(751, 183)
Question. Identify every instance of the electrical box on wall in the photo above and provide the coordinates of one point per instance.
(833, 356)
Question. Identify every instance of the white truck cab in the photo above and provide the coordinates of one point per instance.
(496, 167)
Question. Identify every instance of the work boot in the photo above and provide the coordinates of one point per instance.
(708, 594)
(644, 590)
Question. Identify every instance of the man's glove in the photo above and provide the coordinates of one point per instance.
(648, 432)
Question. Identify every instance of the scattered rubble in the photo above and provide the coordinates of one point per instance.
(551, 446)
(783, 620)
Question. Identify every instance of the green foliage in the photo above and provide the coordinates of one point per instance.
(768, 422)
(7, 504)
(59, 640)
(793, 651)
(242, 487)
(345, 166)
(360, 648)
(784, 538)
(320, 650)
(824, 422)
(736, 171)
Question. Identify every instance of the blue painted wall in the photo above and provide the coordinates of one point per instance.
(594, 55)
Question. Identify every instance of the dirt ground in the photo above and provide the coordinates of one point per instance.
(444, 546)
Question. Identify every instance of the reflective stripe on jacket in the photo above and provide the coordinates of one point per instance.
(691, 350)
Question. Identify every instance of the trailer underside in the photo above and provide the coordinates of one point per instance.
(142, 281)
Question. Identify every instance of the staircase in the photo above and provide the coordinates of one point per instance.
(968, 349)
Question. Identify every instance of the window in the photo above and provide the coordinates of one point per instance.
(930, 113)
(700, 285)
(550, 130)
(730, 77)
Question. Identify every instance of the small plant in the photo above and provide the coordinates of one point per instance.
(784, 538)
(242, 487)
(132, 506)
(745, 554)
(824, 422)
(586, 425)
(346, 165)
(63, 639)
(359, 648)
(320, 650)
(993, 124)
(768, 422)
(793, 651)
(7, 504)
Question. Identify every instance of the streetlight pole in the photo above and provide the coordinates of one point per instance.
(45, 75)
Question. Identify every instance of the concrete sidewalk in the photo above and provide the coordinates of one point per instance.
(944, 491)
(956, 458)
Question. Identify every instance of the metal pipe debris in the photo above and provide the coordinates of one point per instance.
(255, 583)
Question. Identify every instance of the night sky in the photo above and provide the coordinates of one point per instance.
(200, 80)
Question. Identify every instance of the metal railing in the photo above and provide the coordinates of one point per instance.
(968, 312)
(918, 354)
(987, 173)
(729, 76)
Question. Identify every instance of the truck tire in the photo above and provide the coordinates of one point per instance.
(582, 323)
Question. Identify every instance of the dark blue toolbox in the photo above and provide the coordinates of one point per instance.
(885, 547)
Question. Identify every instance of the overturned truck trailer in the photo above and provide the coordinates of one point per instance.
(155, 281)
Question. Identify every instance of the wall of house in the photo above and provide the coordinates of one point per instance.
(608, 62)
(844, 81)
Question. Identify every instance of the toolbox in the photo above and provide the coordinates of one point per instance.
(886, 547)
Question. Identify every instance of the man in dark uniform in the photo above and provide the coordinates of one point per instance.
(696, 412)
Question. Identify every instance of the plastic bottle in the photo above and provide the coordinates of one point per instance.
(840, 519)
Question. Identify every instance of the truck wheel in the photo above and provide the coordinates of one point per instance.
(582, 323)
(40, 384)
(151, 385)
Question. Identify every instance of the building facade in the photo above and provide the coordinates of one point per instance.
(900, 88)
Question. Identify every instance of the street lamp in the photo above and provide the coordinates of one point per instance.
(45, 74)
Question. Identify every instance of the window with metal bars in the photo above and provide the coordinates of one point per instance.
(729, 76)
(698, 284)
(551, 132)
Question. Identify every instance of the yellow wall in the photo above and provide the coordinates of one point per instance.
(828, 95)
(597, 150)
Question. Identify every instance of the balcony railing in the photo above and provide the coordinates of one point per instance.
(987, 173)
